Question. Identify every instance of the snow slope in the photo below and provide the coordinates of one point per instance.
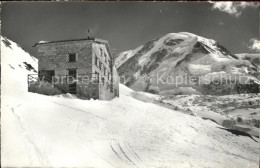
(18, 63)
(45, 131)
(170, 61)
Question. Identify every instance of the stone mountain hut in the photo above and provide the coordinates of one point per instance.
(80, 66)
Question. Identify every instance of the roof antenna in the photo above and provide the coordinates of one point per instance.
(88, 33)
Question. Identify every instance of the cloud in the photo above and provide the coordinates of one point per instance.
(233, 8)
(254, 44)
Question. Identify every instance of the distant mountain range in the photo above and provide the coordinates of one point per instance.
(185, 63)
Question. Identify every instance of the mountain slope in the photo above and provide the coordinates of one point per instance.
(253, 58)
(16, 62)
(63, 131)
(182, 60)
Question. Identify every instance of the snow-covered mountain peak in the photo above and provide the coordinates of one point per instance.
(180, 54)
(172, 42)
(187, 36)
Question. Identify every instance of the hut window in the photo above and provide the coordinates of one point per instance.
(96, 61)
(108, 75)
(105, 71)
(105, 57)
(110, 63)
(96, 76)
(101, 52)
(71, 72)
(72, 57)
(102, 67)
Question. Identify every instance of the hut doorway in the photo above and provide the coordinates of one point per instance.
(72, 81)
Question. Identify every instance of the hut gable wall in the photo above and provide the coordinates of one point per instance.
(54, 56)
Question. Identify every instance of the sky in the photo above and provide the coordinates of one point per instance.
(127, 25)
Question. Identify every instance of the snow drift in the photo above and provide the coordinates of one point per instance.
(63, 131)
